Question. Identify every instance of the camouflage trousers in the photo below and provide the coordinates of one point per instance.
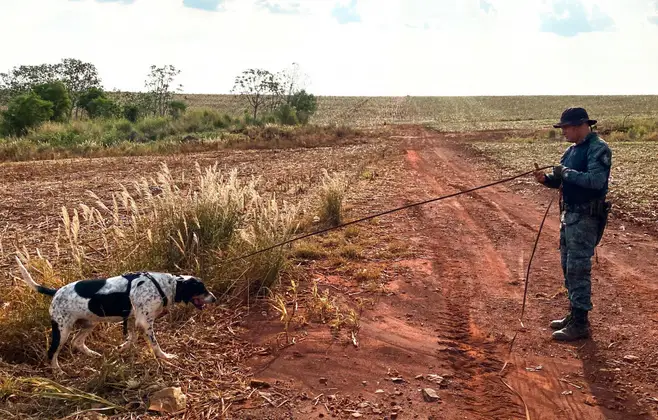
(578, 235)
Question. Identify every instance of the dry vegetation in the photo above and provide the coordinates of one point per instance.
(456, 113)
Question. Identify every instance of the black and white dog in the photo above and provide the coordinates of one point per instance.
(141, 295)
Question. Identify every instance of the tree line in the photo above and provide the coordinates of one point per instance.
(72, 89)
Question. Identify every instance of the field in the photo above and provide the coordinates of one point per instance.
(457, 113)
(360, 319)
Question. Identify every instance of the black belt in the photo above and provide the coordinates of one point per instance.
(593, 208)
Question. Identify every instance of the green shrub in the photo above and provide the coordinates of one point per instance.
(131, 112)
(154, 128)
(103, 108)
(305, 105)
(24, 112)
(88, 96)
(286, 115)
(177, 108)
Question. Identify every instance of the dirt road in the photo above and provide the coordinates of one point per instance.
(455, 311)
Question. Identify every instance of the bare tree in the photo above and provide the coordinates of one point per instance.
(257, 86)
(158, 84)
(291, 81)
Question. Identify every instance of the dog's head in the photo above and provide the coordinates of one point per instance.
(191, 289)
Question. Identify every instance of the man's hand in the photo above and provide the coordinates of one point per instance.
(539, 175)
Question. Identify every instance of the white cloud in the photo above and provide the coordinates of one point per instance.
(464, 51)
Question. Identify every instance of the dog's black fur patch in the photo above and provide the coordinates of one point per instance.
(54, 344)
(88, 288)
(111, 304)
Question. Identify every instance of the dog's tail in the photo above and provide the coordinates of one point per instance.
(27, 278)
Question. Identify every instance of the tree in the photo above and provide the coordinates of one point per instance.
(291, 81)
(158, 84)
(25, 111)
(256, 86)
(103, 107)
(56, 93)
(88, 96)
(21, 79)
(78, 77)
(95, 101)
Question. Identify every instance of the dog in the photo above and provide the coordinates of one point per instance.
(143, 296)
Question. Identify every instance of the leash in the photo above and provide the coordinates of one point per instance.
(386, 212)
(527, 274)
(525, 294)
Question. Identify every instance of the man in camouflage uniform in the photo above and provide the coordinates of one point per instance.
(582, 177)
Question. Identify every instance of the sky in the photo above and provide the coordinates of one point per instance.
(350, 47)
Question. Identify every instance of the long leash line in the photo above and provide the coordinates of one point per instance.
(525, 293)
(527, 277)
(527, 274)
(385, 213)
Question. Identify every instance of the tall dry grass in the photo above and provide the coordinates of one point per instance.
(162, 223)
(184, 226)
(332, 194)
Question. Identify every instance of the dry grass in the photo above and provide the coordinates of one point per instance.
(309, 252)
(333, 193)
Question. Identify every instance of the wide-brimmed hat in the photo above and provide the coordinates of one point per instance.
(574, 116)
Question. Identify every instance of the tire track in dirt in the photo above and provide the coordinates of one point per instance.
(454, 235)
(497, 210)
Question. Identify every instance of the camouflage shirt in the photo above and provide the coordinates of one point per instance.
(587, 170)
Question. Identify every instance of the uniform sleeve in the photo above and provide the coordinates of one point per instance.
(599, 161)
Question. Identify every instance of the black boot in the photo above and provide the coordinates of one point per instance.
(558, 324)
(576, 329)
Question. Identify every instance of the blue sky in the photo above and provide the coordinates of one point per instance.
(351, 47)
(207, 5)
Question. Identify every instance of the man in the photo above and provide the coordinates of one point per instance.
(582, 177)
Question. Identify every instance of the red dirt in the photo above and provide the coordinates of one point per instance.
(458, 308)
(452, 309)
